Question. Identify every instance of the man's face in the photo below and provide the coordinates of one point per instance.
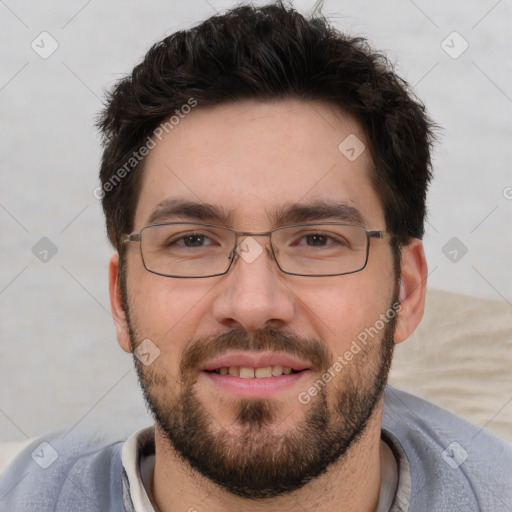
(253, 436)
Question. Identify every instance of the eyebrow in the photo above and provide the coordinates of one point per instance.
(297, 213)
(172, 209)
(292, 213)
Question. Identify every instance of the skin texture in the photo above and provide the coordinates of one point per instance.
(252, 158)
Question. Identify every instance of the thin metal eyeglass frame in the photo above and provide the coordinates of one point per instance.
(137, 237)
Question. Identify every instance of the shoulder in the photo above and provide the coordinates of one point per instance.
(449, 458)
(62, 472)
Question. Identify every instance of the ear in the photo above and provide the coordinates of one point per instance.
(116, 304)
(413, 285)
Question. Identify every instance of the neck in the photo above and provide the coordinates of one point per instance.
(353, 481)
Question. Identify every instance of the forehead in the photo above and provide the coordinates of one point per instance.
(251, 160)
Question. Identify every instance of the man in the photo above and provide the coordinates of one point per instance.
(264, 181)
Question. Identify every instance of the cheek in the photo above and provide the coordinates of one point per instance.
(349, 306)
(167, 311)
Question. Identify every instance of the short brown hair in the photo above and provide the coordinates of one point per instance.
(269, 52)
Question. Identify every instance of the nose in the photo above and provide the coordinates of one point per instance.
(253, 294)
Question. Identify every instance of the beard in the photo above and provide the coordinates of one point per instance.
(253, 458)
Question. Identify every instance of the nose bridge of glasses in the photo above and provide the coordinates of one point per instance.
(239, 234)
(248, 248)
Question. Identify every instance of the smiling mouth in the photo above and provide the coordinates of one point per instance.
(254, 373)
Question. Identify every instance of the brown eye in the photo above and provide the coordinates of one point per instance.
(193, 240)
(316, 240)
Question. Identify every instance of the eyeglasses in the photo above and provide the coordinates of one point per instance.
(191, 250)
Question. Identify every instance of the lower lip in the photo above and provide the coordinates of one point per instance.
(255, 388)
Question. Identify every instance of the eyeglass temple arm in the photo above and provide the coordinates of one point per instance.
(379, 234)
(130, 238)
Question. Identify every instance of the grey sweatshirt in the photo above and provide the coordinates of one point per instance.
(445, 465)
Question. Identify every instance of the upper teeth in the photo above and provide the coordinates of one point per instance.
(259, 373)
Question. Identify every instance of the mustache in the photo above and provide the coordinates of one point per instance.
(203, 349)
